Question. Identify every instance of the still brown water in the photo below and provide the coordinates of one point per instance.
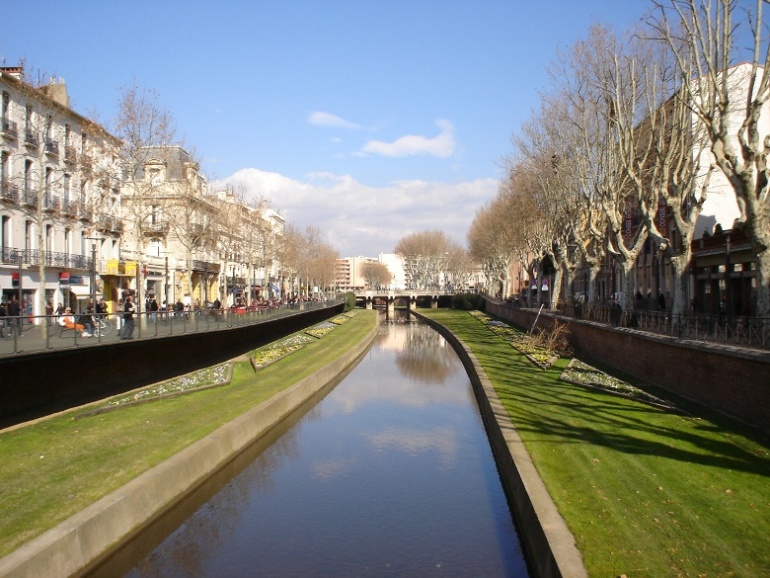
(390, 474)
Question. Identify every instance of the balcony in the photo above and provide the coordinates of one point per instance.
(30, 139)
(156, 228)
(104, 223)
(84, 212)
(70, 155)
(9, 193)
(50, 203)
(8, 129)
(86, 165)
(52, 148)
(69, 207)
(205, 266)
(29, 198)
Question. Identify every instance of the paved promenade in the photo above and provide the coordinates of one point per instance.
(34, 339)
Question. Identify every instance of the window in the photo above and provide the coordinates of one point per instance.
(27, 176)
(48, 180)
(5, 231)
(66, 191)
(156, 215)
(4, 156)
(48, 239)
(27, 235)
(83, 142)
(67, 240)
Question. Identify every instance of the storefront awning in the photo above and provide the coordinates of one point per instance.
(80, 290)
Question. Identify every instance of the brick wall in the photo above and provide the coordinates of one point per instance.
(733, 381)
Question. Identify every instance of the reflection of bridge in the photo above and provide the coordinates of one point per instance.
(408, 299)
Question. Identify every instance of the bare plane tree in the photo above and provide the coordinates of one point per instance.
(728, 101)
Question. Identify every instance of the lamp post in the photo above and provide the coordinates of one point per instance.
(165, 281)
(93, 269)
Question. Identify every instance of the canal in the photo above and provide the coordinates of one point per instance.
(390, 474)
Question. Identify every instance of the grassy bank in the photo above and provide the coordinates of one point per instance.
(646, 492)
(58, 466)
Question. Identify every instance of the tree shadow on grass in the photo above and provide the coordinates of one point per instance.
(564, 413)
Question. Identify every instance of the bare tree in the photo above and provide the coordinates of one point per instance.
(728, 101)
(376, 275)
(425, 257)
(143, 125)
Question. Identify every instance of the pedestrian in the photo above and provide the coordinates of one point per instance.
(3, 313)
(14, 312)
(49, 312)
(128, 319)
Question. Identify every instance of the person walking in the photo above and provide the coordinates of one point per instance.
(14, 312)
(128, 319)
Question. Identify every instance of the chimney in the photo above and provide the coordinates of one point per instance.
(57, 91)
(16, 72)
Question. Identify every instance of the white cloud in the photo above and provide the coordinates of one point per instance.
(442, 145)
(359, 219)
(320, 118)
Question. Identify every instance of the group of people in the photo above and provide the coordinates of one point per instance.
(83, 323)
(10, 319)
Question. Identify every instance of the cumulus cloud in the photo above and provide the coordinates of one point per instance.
(442, 145)
(320, 118)
(360, 219)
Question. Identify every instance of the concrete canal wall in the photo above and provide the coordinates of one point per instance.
(82, 542)
(549, 545)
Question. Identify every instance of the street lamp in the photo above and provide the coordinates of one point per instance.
(165, 281)
(93, 269)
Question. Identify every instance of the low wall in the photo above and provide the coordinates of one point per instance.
(550, 546)
(727, 379)
(83, 541)
(38, 384)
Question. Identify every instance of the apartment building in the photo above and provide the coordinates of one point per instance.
(170, 228)
(60, 199)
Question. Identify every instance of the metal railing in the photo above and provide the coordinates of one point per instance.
(35, 333)
(739, 331)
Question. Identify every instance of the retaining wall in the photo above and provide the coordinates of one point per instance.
(42, 383)
(731, 380)
(550, 546)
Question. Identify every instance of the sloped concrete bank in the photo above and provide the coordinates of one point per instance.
(82, 542)
(550, 546)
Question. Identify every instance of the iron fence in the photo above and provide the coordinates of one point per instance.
(740, 331)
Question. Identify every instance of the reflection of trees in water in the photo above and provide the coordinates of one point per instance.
(425, 356)
(197, 541)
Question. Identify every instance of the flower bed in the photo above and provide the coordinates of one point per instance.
(580, 373)
(318, 331)
(265, 357)
(541, 357)
(195, 381)
(340, 319)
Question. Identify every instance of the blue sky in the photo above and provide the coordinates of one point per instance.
(368, 119)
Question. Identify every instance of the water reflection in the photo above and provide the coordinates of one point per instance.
(390, 474)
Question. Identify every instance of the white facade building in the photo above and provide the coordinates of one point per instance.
(60, 208)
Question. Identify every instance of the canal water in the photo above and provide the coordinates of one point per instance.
(390, 474)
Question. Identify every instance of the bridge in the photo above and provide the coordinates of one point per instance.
(387, 301)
